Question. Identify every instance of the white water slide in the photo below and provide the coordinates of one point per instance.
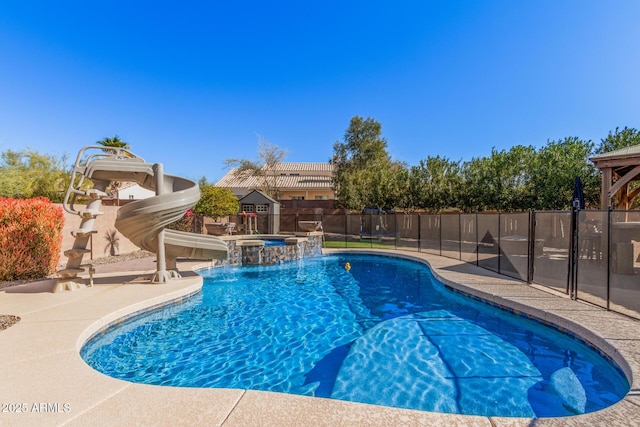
(143, 221)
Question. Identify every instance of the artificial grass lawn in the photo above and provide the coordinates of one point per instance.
(365, 245)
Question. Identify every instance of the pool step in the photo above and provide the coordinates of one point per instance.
(435, 361)
(396, 343)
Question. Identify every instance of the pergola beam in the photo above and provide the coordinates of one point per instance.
(624, 181)
(623, 164)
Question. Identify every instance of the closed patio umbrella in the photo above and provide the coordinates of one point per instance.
(578, 195)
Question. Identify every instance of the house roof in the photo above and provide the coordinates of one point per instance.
(304, 167)
(282, 182)
(256, 197)
(632, 151)
(288, 176)
(621, 161)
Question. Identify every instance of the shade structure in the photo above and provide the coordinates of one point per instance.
(619, 169)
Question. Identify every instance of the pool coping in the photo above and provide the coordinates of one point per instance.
(40, 360)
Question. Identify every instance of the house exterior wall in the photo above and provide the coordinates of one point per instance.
(135, 192)
(293, 206)
(307, 194)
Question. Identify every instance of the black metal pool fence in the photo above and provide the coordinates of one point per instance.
(589, 255)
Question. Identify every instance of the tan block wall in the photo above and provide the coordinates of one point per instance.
(103, 224)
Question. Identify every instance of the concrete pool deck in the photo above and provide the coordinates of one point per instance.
(43, 376)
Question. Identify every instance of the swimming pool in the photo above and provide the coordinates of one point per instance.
(384, 332)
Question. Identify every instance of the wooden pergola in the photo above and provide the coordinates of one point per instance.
(619, 168)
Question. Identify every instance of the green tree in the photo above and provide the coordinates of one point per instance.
(363, 171)
(435, 184)
(216, 202)
(364, 143)
(626, 137)
(481, 185)
(515, 165)
(401, 197)
(498, 182)
(265, 169)
(554, 171)
(387, 186)
(26, 174)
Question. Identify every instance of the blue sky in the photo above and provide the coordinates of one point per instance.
(190, 84)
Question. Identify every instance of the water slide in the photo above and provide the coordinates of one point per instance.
(143, 221)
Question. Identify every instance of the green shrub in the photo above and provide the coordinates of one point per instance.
(30, 238)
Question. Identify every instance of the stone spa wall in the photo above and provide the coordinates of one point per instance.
(272, 249)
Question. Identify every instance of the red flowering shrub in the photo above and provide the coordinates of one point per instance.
(185, 223)
(30, 238)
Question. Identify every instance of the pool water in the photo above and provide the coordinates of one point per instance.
(384, 332)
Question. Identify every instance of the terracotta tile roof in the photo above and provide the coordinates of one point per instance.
(303, 181)
(291, 176)
(283, 182)
(318, 167)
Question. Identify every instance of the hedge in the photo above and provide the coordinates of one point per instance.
(30, 238)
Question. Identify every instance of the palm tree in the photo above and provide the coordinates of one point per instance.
(114, 141)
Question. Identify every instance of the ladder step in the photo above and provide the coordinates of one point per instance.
(68, 273)
(89, 213)
(75, 253)
(95, 194)
(82, 233)
(69, 284)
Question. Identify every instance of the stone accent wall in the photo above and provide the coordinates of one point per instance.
(313, 247)
(258, 254)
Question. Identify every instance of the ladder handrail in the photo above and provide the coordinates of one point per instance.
(80, 166)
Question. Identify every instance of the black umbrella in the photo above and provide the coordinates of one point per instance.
(578, 195)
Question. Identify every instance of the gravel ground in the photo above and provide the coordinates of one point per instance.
(125, 257)
(101, 264)
(7, 320)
